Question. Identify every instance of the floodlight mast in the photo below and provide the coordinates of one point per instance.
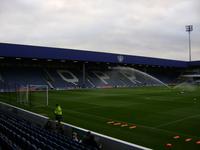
(189, 28)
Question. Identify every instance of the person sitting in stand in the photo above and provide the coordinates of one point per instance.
(90, 141)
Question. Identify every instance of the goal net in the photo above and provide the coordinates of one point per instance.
(33, 95)
(22, 94)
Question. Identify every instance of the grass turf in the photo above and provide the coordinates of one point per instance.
(159, 114)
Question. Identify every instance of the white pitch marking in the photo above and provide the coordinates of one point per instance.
(175, 121)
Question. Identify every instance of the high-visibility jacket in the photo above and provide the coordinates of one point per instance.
(58, 110)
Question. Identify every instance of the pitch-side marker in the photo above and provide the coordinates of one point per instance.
(124, 125)
(132, 127)
(168, 145)
(188, 139)
(117, 124)
(110, 122)
(176, 137)
(197, 142)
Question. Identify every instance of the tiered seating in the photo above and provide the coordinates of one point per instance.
(17, 134)
(73, 78)
(57, 81)
(94, 79)
(79, 75)
(167, 78)
(116, 79)
(23, 76)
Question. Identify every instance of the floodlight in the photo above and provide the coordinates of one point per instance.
(189, 28)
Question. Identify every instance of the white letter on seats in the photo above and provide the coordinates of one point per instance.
(73, 78)
(102, 76)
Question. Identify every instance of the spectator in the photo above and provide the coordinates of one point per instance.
(59, 128)
(75, 137)
(90, 141)
(48, 125)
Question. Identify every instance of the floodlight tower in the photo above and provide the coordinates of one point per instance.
(189, 28)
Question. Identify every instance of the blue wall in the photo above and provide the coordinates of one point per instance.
(25, 51)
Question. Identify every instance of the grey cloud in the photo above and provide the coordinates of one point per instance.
(151, 28)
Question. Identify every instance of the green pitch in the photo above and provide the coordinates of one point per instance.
(158, 113)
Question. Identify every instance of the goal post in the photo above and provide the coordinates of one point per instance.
(38, 95)
(33, 95)
(22, 94)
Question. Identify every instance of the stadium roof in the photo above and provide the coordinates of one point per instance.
(39, 52)
(194, 63)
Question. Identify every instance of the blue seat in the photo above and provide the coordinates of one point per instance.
(48, 147)
(31, 137)
(33, 147)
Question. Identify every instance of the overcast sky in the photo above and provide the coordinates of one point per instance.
(153, 28)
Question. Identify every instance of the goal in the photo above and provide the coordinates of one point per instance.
(22, 94)
(33, 95)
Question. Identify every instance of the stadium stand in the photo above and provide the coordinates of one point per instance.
(63, 68)
(70, 79)
(21, 65)
(23, 76)
(17, 134)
